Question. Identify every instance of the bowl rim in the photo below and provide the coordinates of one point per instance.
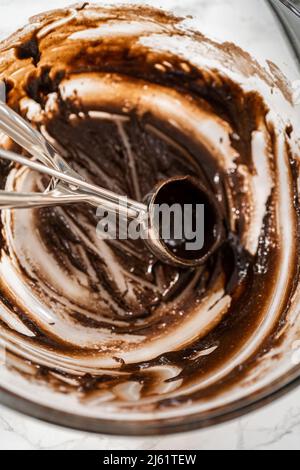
(291, 6)
(196, 421)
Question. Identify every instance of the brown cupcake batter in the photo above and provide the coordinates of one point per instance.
(105, 318)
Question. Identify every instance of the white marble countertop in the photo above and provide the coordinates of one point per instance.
(276, 426)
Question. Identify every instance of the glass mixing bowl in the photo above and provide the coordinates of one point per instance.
(44, 382)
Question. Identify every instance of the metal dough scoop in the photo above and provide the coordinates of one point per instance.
(68, 187)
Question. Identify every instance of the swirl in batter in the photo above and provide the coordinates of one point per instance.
(104, 320)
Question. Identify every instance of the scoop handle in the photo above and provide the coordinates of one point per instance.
(29, 138)
(11, 200)
(94, 194)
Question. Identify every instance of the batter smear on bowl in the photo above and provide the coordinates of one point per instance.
(130, 97)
